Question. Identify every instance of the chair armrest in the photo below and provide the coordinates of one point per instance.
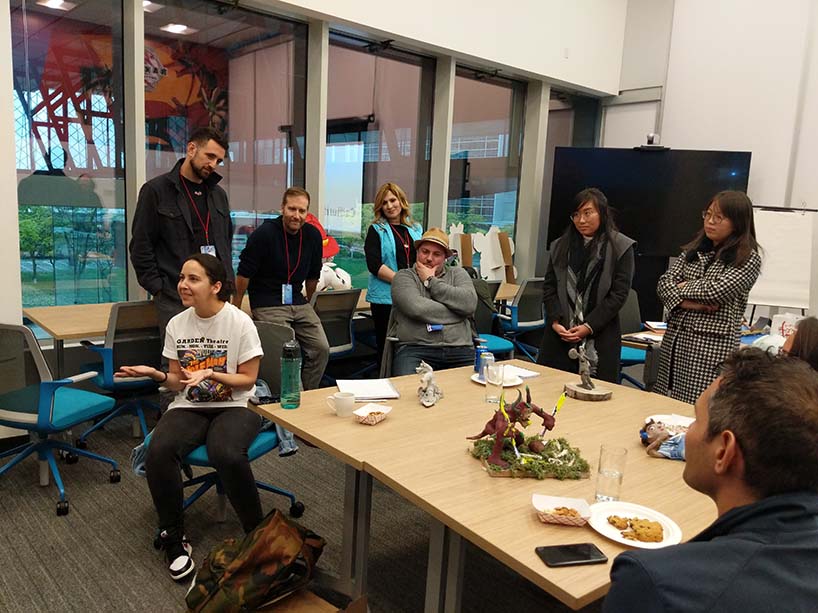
(83, 376)
(502, 316)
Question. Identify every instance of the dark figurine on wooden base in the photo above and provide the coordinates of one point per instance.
(503, 425)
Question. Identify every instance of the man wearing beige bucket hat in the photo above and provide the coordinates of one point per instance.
(431, 309)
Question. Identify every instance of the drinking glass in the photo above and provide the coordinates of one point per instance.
(494, 382)
(611, 469)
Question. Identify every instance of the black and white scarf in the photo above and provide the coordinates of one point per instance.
(585, 262)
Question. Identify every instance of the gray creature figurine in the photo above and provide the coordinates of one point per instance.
(428, 391)
(578, 352)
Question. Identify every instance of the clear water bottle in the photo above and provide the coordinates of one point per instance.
(291, 375)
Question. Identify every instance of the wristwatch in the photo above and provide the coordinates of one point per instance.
(427, 282)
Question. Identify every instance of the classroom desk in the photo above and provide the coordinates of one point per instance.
(70, 322)
(422, 455)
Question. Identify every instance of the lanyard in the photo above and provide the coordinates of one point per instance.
(404, 240)
(205, 224)
(287, 253)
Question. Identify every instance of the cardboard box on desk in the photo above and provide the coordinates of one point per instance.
(508, 257)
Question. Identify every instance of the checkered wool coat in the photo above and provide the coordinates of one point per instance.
(696, 343)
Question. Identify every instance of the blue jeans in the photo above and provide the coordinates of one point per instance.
(439, 357)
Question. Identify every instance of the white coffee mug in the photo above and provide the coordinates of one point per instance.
(342, 403)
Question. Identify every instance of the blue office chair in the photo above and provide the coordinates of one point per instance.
(336, 310)
(130, 325)
(31, 400)
(630, 321)
(486, 320)
(525, 314)
(273, 337)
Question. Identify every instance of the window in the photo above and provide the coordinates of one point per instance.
(487, 131)
(68, 110)
(379, 122)
(243, 73)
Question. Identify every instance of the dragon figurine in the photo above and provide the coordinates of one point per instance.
(503, 425)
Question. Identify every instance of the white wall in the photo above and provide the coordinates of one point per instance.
(578, 42)
(647, 40)
(9, 237)
(733, 83)
(626, 125)
(805, 178)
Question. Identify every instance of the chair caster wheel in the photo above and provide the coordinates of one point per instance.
(297, 509)
(62, 507)
(70, 458)
(115, 476)
(81, 444)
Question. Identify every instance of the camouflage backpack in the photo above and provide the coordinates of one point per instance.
(271, 562)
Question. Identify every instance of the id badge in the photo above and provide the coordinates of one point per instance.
(208, 249)
(286, 293)
(434, 327)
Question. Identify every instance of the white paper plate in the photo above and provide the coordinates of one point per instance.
(599, 522)
(672, 420)
(508, 382)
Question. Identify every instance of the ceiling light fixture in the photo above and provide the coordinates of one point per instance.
(60, 5)
(151, 7)
(178, 28)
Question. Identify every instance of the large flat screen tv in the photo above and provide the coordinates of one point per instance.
(658, 194)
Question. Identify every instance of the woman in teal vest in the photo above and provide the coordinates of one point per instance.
(389, 247)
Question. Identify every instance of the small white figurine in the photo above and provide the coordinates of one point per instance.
(428, 391)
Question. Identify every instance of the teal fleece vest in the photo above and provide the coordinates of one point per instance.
(380, 292)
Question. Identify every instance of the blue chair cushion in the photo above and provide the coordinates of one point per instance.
(630, 356)
(497, 344)
(265, 441)
(71, 407)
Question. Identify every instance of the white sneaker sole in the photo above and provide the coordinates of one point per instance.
(181, 567)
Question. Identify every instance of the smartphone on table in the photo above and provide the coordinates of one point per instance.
(571, 555)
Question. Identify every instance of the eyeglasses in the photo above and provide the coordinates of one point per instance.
(587, 214)
(713, 217)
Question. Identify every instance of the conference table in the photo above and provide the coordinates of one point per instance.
(422, 455)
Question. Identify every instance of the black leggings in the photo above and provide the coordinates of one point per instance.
(380, 318)
(228, 434)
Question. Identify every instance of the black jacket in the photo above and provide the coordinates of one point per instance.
(612, 291)
(759, 557)
(163, 237)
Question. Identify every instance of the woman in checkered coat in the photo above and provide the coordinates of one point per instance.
(705, 293)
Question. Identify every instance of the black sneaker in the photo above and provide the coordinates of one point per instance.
(178, 554)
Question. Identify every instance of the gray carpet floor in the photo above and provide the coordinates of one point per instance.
(100, 556)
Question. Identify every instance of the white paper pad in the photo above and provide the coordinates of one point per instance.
(368, 389)
(523, 373)
(646, 336)
(656, 325)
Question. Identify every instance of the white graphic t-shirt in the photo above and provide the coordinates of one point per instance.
(221, 342)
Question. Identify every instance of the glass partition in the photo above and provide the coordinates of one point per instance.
(379, 122)
(241, 72)
(487, 131)
(68, 117)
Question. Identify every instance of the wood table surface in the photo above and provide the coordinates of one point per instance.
(506, 292)
(423, 455)
(73, 321)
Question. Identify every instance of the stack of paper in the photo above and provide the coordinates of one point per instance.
(523, 373)
(368, 389)
(656, 325)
